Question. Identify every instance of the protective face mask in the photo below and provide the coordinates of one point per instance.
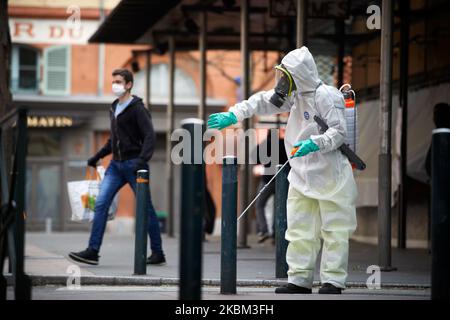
(284, 86)
(118, 89)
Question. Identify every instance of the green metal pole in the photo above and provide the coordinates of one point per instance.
(440, 214)
(4, 197)
(245, 169)
(281, 244)
(229, 226)
(385, 156)
(192, 210)
(22, 286)
(142, 201)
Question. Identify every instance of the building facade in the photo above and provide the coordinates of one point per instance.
(66, 84)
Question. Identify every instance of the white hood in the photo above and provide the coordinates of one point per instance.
(300, 64)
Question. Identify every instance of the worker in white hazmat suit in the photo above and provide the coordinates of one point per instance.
(322, 191)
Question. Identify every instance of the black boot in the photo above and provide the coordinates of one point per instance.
(292, 288)
(156, 259)
(328, 288)
(263, 236)
(88, 256)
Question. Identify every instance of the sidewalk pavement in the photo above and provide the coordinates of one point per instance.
(213, 293)
(47, 263)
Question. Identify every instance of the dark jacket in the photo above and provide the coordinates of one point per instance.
(282, 157)
(132, 135)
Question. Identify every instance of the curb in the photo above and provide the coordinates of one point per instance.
(61, 280)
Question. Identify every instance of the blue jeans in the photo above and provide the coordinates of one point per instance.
(116, 176)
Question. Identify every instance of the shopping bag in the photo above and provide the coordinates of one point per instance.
(82, 197)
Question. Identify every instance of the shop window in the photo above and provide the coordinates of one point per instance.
(44, 144)
(24, 69)
(57, 66)
(78, 146)
(43, 193)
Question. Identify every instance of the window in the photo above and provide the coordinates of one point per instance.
(325, 68)
(57, 70)
(44, 144)
(24, 69)
(159, 82)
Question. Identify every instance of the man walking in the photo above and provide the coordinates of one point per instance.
(132, 143)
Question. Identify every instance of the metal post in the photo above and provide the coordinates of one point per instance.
(403, 97)
(148, 68)
(4, 198)
(192, 209)
(301, 23)
(440, 214)
(22, 283)
(170, 117)
(384, 171)
(202, 49)
(101, 54)
(281, 244)
(245, 168)
(340, 33)
(3, 282)
(142, 201)
(229, 226)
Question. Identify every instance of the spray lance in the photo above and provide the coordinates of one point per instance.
(265, 186)
(294, 150)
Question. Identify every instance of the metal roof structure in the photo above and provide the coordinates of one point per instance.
(129, 20)
(271, 28)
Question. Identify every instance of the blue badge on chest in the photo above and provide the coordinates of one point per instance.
(306, 115)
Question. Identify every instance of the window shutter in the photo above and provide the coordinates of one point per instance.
(57, 70)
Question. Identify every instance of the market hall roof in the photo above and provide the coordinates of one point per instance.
(152, 22)
(129, 20)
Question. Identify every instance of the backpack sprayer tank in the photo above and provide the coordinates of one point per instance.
(351, 116)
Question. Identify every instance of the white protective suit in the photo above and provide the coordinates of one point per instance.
(322, 192)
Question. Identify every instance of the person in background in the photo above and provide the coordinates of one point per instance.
(132, 141)
(262, 171)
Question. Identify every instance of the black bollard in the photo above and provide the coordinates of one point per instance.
(229, 226)
(281, 244)
(141, 225)
(192, 210)
(440, 214)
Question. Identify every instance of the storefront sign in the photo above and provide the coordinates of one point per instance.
(49, 122)
(324, 9)
(51, 31)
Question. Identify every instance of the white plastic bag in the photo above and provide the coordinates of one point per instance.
(82, 197)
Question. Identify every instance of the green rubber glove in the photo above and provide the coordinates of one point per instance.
(221, 120)
(303, 147)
